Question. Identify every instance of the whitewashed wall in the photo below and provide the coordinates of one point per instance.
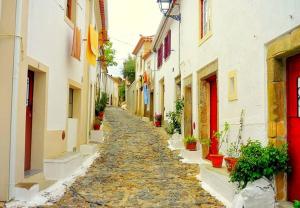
(50, 42)
(168, 71)
(240, 31)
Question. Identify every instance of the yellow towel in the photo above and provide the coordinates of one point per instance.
(92, 46)
(76, 47)
(94, 41)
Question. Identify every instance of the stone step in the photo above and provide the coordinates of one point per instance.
(216, 182)
(88, 149)
(62, 166)
(26, 191)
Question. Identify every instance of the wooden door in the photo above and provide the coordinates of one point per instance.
(213, 114)
(188, 122)
(151, 106)
(293, 125)
(28, 128)
(162, 104)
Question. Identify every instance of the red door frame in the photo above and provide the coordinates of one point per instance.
(28, 129)
(293, 124)
(213, 114)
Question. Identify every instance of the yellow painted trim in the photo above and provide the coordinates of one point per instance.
(205, 38)
(232, 95)
(69, 22)
(35, 65)
(277, 51)
(188, 80)
(74, 85)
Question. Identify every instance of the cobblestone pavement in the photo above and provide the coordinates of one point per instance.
(136, 169)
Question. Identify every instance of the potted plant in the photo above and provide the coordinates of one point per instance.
(257, 161)
(222, 136)
(175, 117)
(158, 118)
(97, 123)
(231, 157)
(100, 105)
(190, 143)
(233, 148)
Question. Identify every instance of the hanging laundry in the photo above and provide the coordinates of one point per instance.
(145, 77)
(76, 47)
(92, 46)
(146, 96)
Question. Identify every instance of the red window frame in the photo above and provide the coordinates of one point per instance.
(160, 56)
(69, 9)
(167, 45)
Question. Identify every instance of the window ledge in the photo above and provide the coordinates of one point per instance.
(69, 22)
(205, 38)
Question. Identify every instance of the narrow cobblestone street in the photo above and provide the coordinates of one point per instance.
(136, 169)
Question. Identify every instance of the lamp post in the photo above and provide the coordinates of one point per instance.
(165, 6)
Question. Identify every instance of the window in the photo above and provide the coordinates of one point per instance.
(204, 18)
(232, 85)
(71, 94)
(167, 45)
(160, 56)
(71, 10)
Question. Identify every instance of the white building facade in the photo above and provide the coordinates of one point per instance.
(231, 57)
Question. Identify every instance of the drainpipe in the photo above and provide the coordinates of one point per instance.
(14, 101)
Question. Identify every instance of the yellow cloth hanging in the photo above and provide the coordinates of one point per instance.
(92, 46)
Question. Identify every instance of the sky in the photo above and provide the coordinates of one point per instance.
(127, 19)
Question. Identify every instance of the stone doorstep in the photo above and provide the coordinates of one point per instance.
(62, 166)
(26, 191)
(284, 204)
(88, 149)
(191, 156)
(40, 179)
(176, 145)
(218, 181)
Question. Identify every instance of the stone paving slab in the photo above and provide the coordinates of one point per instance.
(136, 169)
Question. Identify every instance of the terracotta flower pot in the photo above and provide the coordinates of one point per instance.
(97, 126)
(216, 160)
(101, 115)
(157, 123)
(191, 146)
(230, 163)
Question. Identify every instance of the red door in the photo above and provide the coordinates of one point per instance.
(28, 130)
(213, 149)
(293, 125)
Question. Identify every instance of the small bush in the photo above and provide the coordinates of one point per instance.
(257, 161)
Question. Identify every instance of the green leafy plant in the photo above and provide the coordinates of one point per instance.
(175, 118)
(222, 135)
(101, 103)
(109, 54)
(129, 69)
(257, 161)
(189, 139)
(296, 204)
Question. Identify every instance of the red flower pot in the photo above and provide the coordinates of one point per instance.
(97, 126)
(191, 146)
(216, 160)
(157, 123)
(101, 115)
(230, 163)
